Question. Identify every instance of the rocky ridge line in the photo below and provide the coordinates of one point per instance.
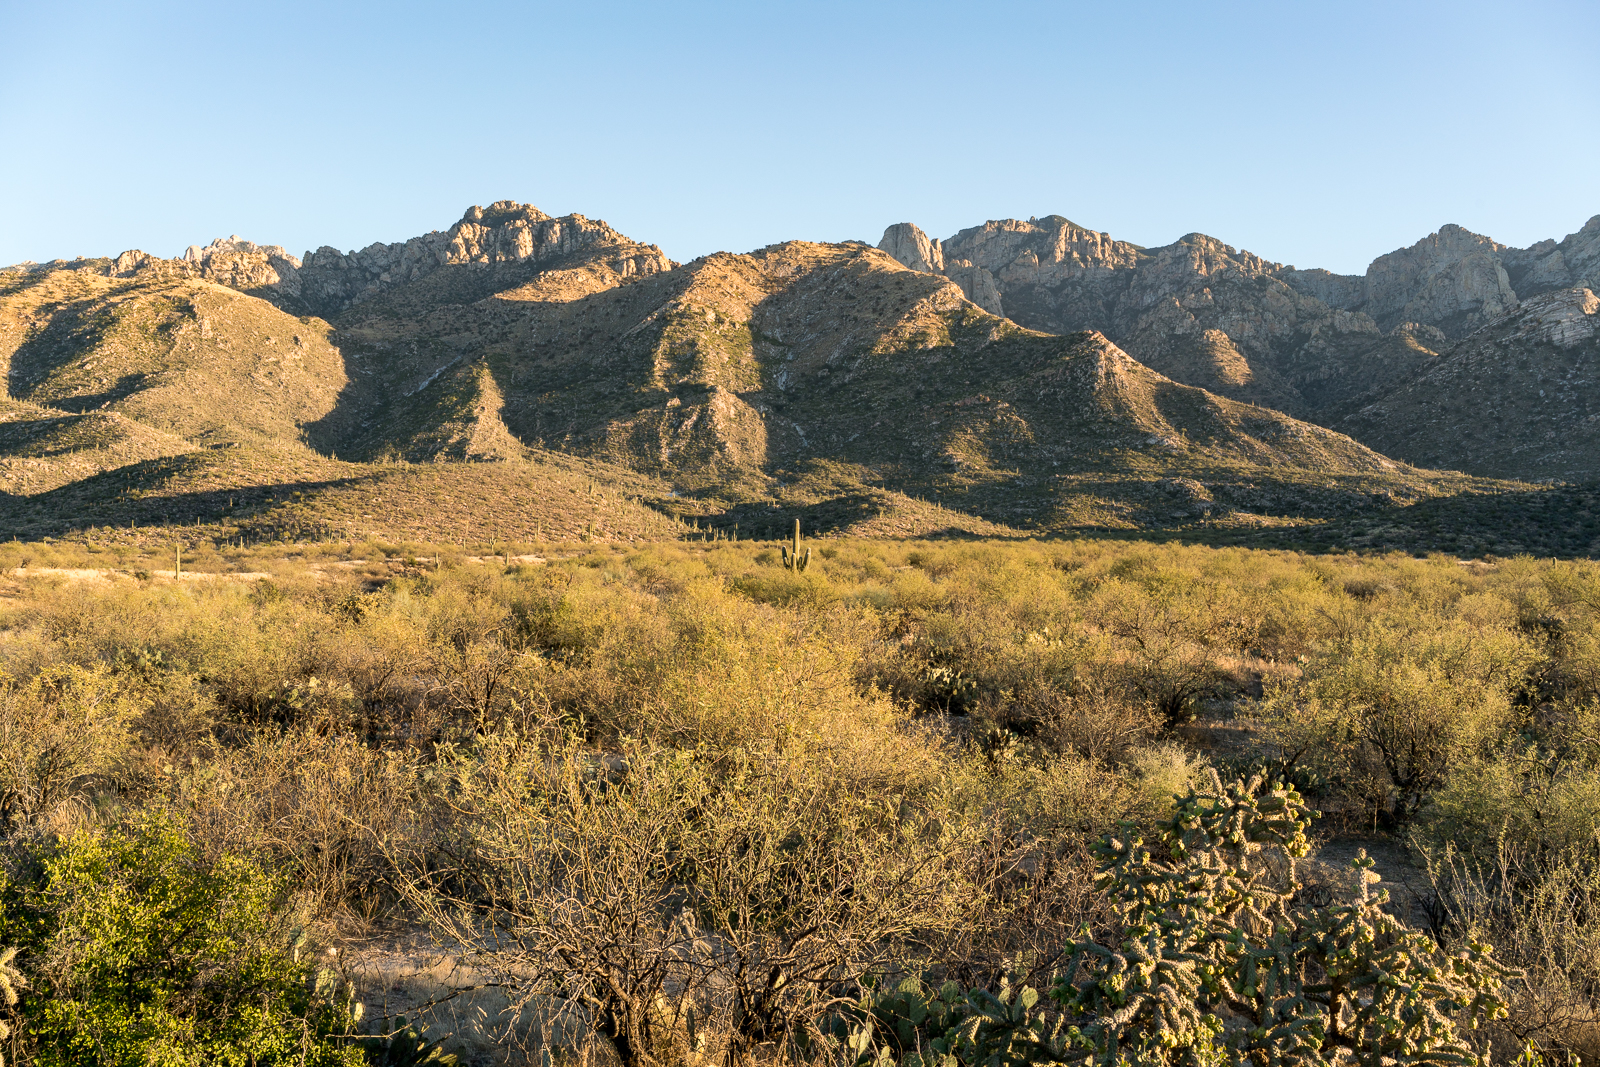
(328, 281)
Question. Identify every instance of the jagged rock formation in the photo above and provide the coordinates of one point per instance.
(1309, 342)
(1457, 280)
(497, 244)
(1197, 310)
(495, 241)
(910, 246)
(1460, 412)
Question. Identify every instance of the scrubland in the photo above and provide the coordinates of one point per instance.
(675, 803)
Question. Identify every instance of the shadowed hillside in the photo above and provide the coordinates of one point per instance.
(468, 384)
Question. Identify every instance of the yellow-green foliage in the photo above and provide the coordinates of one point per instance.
(143, 951)
(64, 725)
(1012, 700)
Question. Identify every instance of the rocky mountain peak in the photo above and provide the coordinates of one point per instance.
(503, 211)
(906, 242)
(234, 246)
(506, 233)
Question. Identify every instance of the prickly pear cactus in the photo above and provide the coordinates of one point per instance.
(1217, 962)
(913, 1026)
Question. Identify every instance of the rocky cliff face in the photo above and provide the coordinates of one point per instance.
(1518, 398)
(1573, 263)
(1197, 310)
(497, 239)
(1309, 342)
(1455, 280)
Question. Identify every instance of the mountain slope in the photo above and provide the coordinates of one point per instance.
(734, 374)
(186, 358)
(1308, 342)
(1197, 310)
(1516, 399)
(241, 388)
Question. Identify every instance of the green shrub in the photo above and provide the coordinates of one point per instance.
(139, 951)
(1216, 960)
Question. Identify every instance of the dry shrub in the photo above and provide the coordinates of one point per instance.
(1097, 719)
(1541, 912)
(1170, 632)
(736, 888)
(59, 731)
(322, 807)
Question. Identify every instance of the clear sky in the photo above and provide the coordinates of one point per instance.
(1316, 133)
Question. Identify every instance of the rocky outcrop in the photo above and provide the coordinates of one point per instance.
(978, 285)
(1573, 263)
(1515, 399)
(260, 270)
(1197, 310)
(906, 242)
(132, 262)
(504, 235)
(1457, 280)
(1452, 279)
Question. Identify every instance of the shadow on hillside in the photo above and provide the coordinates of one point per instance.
(125, 386)
(104, 500)
(1558, 522)
(374, 396)
(770, 522)
(1555, 521)
(71, 331)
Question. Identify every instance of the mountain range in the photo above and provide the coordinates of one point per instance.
(518, 375)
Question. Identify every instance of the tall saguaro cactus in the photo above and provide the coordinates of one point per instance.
(792, 558)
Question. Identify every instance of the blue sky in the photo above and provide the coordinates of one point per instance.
(1319, 134)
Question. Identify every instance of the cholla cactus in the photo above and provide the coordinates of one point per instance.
(1218, 963)
(11, 981)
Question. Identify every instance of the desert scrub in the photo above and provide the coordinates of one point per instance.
(1386, 710)
(736, 888)
(318, 809)
(1220, 956)
(59, 730)
(1540, 908)
(138, 950)
(986, 708)
(1213, 955)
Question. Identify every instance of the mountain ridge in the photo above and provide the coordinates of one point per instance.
(834, 378)
(1314, 344)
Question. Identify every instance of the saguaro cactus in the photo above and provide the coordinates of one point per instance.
(792, 558)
